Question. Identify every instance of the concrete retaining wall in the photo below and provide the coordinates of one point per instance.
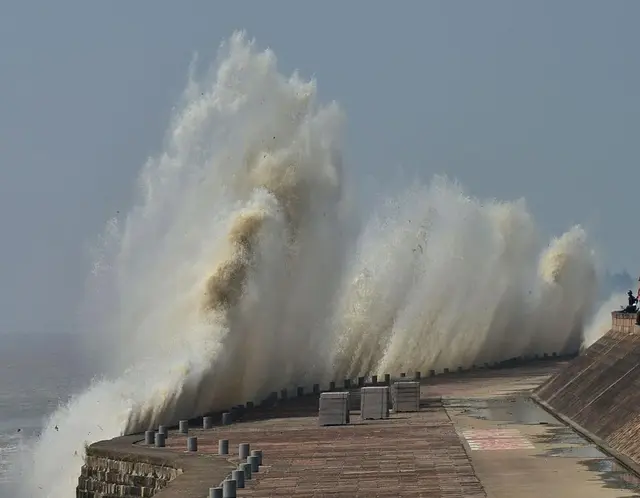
(599, 392)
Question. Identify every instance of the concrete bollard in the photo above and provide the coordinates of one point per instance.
(223, 447)
(332, 386)
(160, 439)
(238, 476)
(459, 369)
(246, 468)
(446, 370)
(316, 389)
(215, 492)
(243, 451)
(360, 381)
(283, 394)
(387, 379)
(545, 355)
(374, 379)
(149, 437)
(554, 354)
(207, 422)
(347, 383)
(257, 453)
(417, 375)
(192, 443)
(300, 391)
(402, 374)
(432, 373)
(229, 488)
(226, 418)
(163, 429)
(249, 405)
(183, 427)
(254, 461)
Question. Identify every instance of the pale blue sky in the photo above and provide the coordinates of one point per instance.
(537, 99)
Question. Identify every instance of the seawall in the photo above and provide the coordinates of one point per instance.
(121, 468)
(598, 392)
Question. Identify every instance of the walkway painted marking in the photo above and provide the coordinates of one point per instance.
(496, 439)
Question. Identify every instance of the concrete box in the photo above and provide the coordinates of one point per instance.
(405, 396)
(374, 402)
(334, 408)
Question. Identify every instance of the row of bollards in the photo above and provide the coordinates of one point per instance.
(159, 438)
(251, 460)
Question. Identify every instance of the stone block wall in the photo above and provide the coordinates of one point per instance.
(124, 468)
(105, 477)
(623, 322)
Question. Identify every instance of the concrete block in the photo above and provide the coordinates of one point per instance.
(300, 391)
(192, 443)
(316, 389)
(374, 379)
(347, 383)
(361, 381)
(207, 422)
(417, 375)
(283, 394)
(243, 451)
(387, 379)
(332, 386)
(374, 402)
(249, 405)
(183, 427)
(334, 408)
(164, 430)
(402, 374)
(405, 396)
(215, 492)
(223, 447)
(354, 400)
(432, 373)
(227, 419)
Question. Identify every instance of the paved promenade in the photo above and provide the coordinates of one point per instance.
(477, 435)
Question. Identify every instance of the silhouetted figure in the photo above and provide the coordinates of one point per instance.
(631, 308)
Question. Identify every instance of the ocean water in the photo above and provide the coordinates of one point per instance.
(38, 372)
(243, 267)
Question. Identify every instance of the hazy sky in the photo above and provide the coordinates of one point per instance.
(535, 99)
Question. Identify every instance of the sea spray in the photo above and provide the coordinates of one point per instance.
(600, 323)
(240, 269)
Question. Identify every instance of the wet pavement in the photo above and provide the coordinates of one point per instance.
(519, 450)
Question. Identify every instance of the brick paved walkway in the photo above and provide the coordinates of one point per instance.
(409, 455)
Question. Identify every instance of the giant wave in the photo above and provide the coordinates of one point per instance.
(244, 267)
